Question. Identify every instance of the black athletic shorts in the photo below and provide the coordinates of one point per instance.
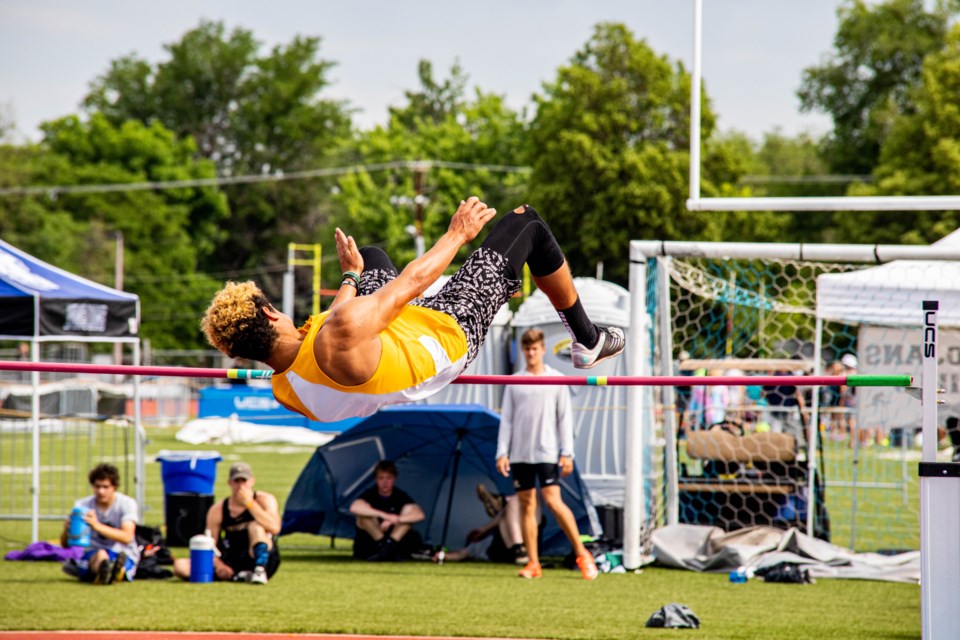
(525, 475)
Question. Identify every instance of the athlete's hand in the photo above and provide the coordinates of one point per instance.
(503, 466)
(470, 218)
(566, 466)
(350, 258)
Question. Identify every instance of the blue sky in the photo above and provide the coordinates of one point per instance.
(753, 50)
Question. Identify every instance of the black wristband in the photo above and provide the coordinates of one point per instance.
(352, 275)
(349, 281)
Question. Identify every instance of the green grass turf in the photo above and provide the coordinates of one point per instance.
(319, 589)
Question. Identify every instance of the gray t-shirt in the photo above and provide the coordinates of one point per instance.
(123, 509)
(536, 423)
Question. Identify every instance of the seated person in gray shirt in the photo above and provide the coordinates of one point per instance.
(112, 517)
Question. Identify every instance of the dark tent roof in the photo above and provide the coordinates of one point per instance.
(39, 299)
(423, 441)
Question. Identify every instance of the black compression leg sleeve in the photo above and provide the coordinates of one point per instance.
(526, 238)
(378, 270)
(377, 258)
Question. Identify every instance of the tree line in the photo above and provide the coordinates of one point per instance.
(603, 153)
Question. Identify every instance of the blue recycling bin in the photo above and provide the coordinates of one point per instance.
(188, 480)
(188, 471)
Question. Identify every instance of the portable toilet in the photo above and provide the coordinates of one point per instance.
(599, 413)
(493, 359)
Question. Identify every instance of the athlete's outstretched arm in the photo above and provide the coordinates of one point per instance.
(350, 260)
(366, 316)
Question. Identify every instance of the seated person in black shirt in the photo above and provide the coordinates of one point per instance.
(385, 519)
(244, 525)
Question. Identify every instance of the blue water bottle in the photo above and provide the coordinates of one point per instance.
(738, 576)
(79, 535)
(201, 558)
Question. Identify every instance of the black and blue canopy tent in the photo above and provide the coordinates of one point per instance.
(42, 303)
(442, 452)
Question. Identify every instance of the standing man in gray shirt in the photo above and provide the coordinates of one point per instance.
(535, 443)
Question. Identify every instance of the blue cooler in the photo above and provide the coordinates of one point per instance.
(188, 480)
(201, 558)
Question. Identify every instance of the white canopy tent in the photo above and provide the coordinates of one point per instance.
(890, 294)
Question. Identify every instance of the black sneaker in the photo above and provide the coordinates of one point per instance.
(387, 552)
(103, 573)
(520, 555)
(119, 569)
(610, 344)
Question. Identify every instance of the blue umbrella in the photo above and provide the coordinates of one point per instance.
(442, 452)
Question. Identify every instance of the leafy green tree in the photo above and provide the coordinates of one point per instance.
(792, 166)
(879, 50)
(161, 229)
(467, 137)
(250, 113)
(609, 151)
(921, 156)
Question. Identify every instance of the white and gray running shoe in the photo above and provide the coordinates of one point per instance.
(259, 576)
(610, 344)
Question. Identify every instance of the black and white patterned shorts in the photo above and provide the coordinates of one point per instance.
(472, 296)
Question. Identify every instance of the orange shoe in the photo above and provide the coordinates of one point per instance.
(588, 568)
(532, 570)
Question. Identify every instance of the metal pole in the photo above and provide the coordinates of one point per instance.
(633, 496)
(457, 451)
(894, 380)
(825, 203)
(288, 281)
(695, 82)
(140, 442)
(118, 285)
(813, 430)
(35, 442)
(855, 435)
(939, 505)
(419, 178)
(317, 248)
(670, 417)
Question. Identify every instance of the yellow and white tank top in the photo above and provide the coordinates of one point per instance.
(422, 351)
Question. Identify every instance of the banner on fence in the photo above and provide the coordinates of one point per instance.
(891, 350)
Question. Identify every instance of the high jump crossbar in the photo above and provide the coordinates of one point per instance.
(575, 381)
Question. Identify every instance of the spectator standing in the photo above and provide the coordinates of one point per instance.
(535, 444)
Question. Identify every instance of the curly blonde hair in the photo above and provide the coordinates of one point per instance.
(235, 323)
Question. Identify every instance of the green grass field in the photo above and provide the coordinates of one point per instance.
(320, 589)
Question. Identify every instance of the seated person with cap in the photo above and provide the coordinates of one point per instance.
(248, 521)
(385, 519)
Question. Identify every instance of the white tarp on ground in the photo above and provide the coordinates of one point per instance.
(233, 431)
(710, 549)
